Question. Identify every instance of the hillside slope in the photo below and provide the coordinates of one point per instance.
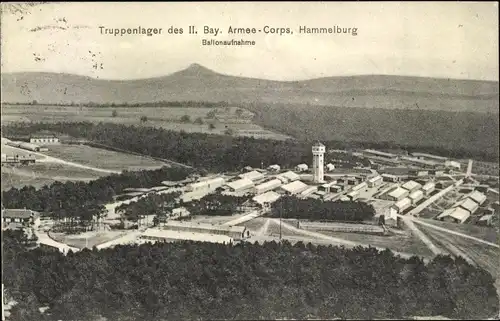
(201, 84)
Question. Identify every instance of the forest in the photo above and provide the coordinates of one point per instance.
(77, 203)
(445, 133)
(211, 152)
(217, 204)
(319, 210)
(155, 204)
(206, 281)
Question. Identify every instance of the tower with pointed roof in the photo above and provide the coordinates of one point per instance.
(318, 151)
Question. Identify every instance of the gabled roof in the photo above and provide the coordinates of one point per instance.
(191, 236)
(375, 178)
(294, 187)
(253, 175)
(403, 203)
(241, 183)
(318, 144)
(477, 197)
(269, 184)
(428, 186)
(269, 197)
(457, 213)
(291, 176)
(467, 204)
(416, 194)
(410, 185)
(398, 192)
(18, 213)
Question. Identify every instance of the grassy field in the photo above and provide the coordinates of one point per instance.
(87, 239)
(161, 117)
(40, 174)
(102, 158)
(11, 151)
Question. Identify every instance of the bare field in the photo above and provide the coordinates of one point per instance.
(399, 243)
(482, 232)
(102, 158)
(484, 255)
(40, 174)
(168, 118)
(255, 224)
(88, 239)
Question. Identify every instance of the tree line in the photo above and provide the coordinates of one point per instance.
(154, 204)
(217, 204)
(161, 103)
(205, 281)
(319, 210)
(211, 152)
(76, 203)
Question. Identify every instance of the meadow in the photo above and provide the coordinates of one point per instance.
(161, 117)
(102, 158)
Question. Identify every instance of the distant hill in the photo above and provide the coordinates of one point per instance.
(198, 83)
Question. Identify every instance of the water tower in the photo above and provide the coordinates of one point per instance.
(318, 151)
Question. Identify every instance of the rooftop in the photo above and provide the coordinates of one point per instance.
(318, 144)
(269, 184)
(477, 197)
(428, 186)
(376, 152)
(239, 229)
(467, 204)
(402, 203)
(411, 185)
(398, 192)
(253, 175)
(18, 213)
(188, 236)
(457, 213)
(291, 176)
(241, 183)
(269, 197)
(294, 187)
(416, 194)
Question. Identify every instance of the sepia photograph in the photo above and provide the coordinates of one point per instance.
(193, 161)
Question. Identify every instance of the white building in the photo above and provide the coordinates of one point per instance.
(253, 175)
(267, 186)
(235, 232)
(44, 140)
(309, 191)
(20, 217)
(330, 167)
(293, 187)
(318, 151)
(416, 196)
(158, 235)
(397, 194)
(274, 168)
(402, 205)
(360, 187)
(375, 181)
(428, 188)
(390, 178)
(266, 198)
(477, 197)
(209, 184)
(468, 205)
(239, 185)
(411, 186)
(352, 195)
(301, 168)
(287, 177)
(452, 164)
(455, 215)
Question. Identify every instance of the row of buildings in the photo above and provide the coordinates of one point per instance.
(464, 208)
(408, 194)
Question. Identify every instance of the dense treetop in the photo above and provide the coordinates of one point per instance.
(200, 281)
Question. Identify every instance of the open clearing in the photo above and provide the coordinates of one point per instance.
(398, 243)
(482, 232)
(87, 239)
(102, 158)
(40, 174)
(163, 117)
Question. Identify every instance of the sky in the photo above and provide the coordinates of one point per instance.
(428, 39)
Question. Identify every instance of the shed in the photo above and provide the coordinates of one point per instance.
(266, 198)
(477, 197)
(397, 194)
(467, 204)
(274, 168)
(411, 186)
(330, 167)
(267, 186)
(253, 175)
(240, 184)
(360, 186)
(428, 188)
(301, 168)
(288, 177)
(154, 234)
(212, 183)
(416, 196)
(390, 178)
(293, 187)
(402, 205)
(455, 215)
(375, 181)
